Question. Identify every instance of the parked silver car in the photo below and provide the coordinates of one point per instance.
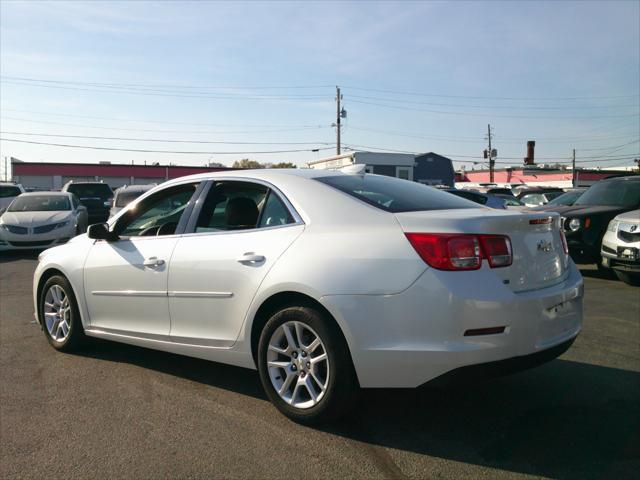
(126, 194)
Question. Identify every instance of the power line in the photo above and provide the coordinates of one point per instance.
(252, 87)
(247, 125)
(163, 131)
(421, 94)
(512, 107)
(129, 139)
(484, 115)
(91, 147)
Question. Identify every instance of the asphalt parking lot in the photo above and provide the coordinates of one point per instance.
(116, 411)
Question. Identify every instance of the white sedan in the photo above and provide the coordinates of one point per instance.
(41, 220)
(326, 282)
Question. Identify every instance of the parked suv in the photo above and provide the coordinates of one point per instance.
(8, 191)
(96, 196)
(126, 194)
(587, 219)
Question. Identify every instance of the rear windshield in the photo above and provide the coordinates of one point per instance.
(394, 195)
(620, 193)
(40, 203)
(87, 190)
(125, 198)
(9, 191)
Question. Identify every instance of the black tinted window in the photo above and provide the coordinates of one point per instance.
(394, 195)
(617, 193)
(126, 197)
(9, 191)
(85, 190)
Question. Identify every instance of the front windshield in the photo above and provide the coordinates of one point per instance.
(617, 193)
(40, 203)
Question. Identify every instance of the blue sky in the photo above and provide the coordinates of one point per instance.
(416, 76)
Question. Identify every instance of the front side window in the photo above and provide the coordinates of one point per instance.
(40, 203)
(158, 214)
(232, 206)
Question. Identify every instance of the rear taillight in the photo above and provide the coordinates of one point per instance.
(496, 249)
(565, 247)
(446, 251)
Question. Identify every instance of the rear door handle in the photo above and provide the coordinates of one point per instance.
(153, 262)
(251, 257)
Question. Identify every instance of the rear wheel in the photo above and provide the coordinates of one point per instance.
(305, 366)
(59, 315)
(628, 278)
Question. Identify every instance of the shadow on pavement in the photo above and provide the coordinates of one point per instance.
(15, 255)
(562, 420)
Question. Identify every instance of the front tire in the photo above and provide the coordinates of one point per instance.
(59, 315)
(305, 366)
(628, 278)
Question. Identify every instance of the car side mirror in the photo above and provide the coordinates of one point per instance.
(100, 231)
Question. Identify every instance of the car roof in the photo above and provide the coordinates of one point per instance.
(45, 192)
(266, 174)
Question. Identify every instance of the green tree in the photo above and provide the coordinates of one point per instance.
(283, 165)
(247, 163)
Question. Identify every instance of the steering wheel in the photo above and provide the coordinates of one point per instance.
(149, 231)
(167, 228)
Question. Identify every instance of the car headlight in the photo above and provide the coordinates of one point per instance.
(62, 224)
(613, 226)
(574, 224)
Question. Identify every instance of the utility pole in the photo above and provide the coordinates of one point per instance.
(492, 162)
(573, 169)
(338, 115)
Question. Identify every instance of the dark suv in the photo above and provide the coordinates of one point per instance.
(96, 196)
(585, 222)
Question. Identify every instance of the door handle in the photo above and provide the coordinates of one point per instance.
(153, 262)
(251, 257)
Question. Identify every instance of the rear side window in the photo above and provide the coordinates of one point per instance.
(86, 190)
(394, 195)
(232, 206)
(9, 191)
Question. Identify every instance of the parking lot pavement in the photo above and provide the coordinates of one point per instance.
(115, 411)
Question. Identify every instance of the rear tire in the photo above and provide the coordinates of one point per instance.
(628, 278)
(305, 366)
(59, 315)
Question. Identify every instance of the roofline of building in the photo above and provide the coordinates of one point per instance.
(137, 165)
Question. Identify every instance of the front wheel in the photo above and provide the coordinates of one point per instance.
(628, 278)
(305, 366)
(59, 315)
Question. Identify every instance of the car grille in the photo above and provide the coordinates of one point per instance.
(17, 230)
(44, 228)
(41, 243)
(628, 236)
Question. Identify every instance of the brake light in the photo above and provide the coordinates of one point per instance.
(565, 247)
(497, 249)
(446, 251)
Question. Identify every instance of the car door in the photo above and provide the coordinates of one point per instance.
(126, 279)
(239, 232)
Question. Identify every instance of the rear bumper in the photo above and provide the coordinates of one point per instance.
(502, 367)
(410, 338)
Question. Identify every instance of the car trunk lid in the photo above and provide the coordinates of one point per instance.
(539, 260)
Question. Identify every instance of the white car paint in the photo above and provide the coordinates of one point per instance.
(620, 236)
(403, 321)
(18, 229)
(5, 201)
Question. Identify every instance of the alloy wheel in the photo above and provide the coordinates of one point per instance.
(57, 313)
(298, 364)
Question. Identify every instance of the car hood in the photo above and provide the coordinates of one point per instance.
(630, 217)
(35, 219)
(578, 210)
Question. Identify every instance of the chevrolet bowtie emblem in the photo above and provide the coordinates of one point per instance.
(544, 246)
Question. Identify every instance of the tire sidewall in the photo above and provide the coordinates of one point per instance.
(76, 330)
(341, 380)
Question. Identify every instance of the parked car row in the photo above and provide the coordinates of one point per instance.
(42, 219)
